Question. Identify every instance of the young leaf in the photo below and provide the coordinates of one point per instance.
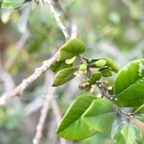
(100, 115)
(72, 126)
(59, 65)
(129, 84)
(64, 76)
(109, 63)
(71, 60)
(94, 77)
(106, 71)
(70, 49)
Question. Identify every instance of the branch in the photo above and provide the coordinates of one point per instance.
(42, 119)
(74, 29)
(19, 46)
(26, 82)
(58, 20)
(104, 93)
(58, 116)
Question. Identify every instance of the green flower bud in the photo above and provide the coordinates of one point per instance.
(100, 63)
(83, 67)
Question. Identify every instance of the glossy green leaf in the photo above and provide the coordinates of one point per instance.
(100, 115)
(72, 126)
(128, 134)
(70, 49)
(94, 77)
(64, 76)
(59, 65)
(106, 71)
(129, 84)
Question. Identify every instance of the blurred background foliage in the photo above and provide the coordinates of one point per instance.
(109, 28)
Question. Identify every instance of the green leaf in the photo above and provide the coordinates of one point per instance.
(64, 76)
(59, 65)
(138, 134)
(119, 138)
(100, 115)
(106, 71)
(115, 128)
(72, 126)
(11, 5)
(94, 77)
(70, 49)
(140, 117)
(140, 110)
(139, 113)
(109, 63)
(129, 84)
(128, 134)
(14, 1)
(70, 61)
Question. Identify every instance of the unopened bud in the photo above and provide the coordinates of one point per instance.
(99, 96)
(110, 88)
(83, 67)
(100, 63)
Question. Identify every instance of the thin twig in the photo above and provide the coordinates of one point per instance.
(58, 20)
(106, 94)
(26, 82)
(58, 116)
(39, 71)
(74, 29)
(6, 78)
(19, 45)
(42, 119)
